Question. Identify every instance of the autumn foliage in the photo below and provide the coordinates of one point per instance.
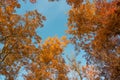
(49, 62)
(22, 46)
(93, 26)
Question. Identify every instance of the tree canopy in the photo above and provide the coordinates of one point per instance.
(22, 45)
(93, 26)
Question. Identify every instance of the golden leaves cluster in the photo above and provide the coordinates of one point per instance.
(81, 16)
(50, 64)
(51, 48)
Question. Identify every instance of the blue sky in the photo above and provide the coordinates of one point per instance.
(56, 14)
(56, 23)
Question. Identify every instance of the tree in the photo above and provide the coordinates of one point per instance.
(90, 72)
(22, 45)
(94, 26)
(75, 68)
(49, 63)
(80, 71)
(16, 34)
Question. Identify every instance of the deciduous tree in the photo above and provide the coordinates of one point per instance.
(21, 45)
(95, 27)
(49, 63)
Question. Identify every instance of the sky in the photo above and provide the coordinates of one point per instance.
(56, 14)
(56, 23)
